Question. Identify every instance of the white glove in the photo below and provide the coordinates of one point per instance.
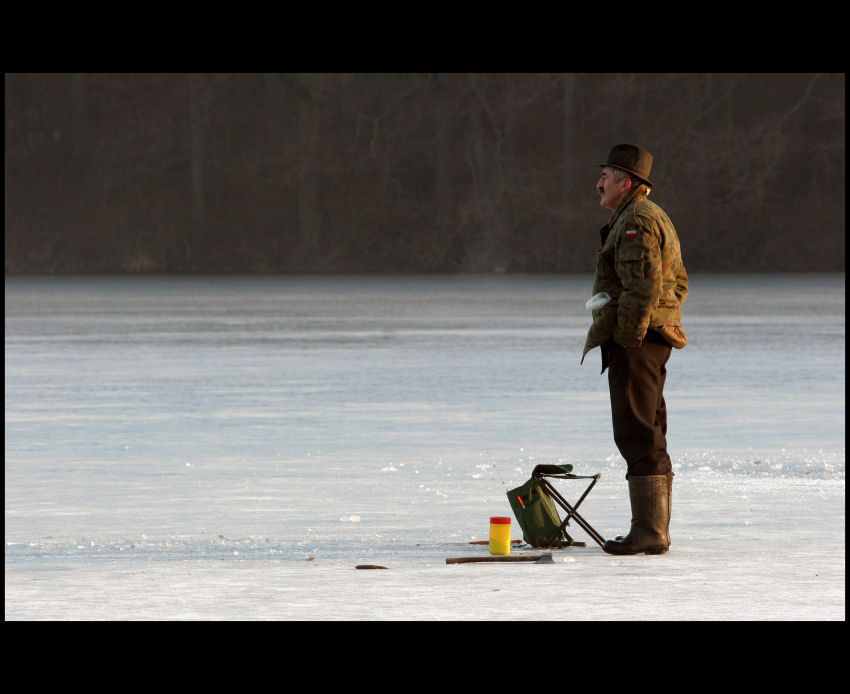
(597, 301)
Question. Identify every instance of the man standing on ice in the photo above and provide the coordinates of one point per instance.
(639, 288)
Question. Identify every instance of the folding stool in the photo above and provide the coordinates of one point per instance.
(532, 504)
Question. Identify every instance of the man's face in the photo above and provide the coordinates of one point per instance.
(610, 191)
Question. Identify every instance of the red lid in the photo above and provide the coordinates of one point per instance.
(500, 520)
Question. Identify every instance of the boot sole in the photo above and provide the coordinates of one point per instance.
(659, 550)
(651, 551)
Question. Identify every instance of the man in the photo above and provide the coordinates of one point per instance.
(640, 268)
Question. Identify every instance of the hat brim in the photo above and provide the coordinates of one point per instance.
(633, 173)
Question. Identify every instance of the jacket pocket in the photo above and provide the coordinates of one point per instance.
(630, 263)
(605, 265)
(604, 320)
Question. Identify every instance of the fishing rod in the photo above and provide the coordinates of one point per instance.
(519, 498)
(500, 476)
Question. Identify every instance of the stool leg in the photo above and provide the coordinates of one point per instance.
(572, 511)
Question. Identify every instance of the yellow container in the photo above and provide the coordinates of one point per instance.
(500, 535)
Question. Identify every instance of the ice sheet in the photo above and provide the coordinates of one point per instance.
(232, 448)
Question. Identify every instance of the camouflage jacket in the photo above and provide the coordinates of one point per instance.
(640, 267)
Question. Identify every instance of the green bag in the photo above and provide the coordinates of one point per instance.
(537, 515)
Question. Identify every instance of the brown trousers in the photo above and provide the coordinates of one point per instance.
(636, 378)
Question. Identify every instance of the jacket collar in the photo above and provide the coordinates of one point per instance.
(641, 191)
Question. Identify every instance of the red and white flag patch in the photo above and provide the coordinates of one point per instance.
(631, 233)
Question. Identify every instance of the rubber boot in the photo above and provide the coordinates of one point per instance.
(669, 477)
(669, 506)
(650, 530)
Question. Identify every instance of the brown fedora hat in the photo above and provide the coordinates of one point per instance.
(635, 160)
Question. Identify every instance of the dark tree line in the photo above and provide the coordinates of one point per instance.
(279, 173)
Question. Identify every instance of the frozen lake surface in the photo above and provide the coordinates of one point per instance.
(199, 448)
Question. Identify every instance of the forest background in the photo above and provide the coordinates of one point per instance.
(412, 173)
